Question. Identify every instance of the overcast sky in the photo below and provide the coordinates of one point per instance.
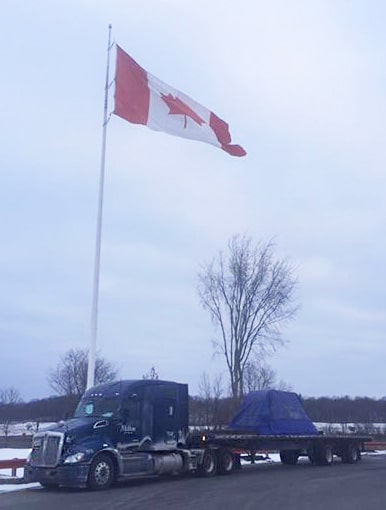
(302, 85)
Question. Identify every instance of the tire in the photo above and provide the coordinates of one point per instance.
(324, 455)
(351, 454)
(102, 473)
(225, 462)
(289, 457)
(208, 467)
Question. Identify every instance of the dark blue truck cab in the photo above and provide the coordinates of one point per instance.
(119, 429)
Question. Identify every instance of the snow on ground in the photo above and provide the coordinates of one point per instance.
(10, 487)
(346, 428)
(8, 454)
(27, 428)
(16, 429)
(13, 453)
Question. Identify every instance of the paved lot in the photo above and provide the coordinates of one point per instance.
(274, 486)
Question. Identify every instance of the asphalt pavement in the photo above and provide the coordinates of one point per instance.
(270, 486)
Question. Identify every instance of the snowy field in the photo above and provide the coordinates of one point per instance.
(25, 428)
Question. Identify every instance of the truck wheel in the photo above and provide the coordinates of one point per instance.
(289, 457)
(225, 462)
(324, 455)
(351, 454)
(102, 473)
(208, 467)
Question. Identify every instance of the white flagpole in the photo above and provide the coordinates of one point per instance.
(95, 295)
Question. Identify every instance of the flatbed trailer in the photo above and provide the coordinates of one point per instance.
(320, 448)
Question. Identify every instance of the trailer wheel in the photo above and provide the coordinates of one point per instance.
(102, 473)
(225, 462)
(324, 455)
(208, 467)
(289, 457)
(351, 454)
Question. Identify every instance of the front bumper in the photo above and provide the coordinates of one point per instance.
(72, 475)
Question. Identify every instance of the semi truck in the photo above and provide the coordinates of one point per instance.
(138, 428)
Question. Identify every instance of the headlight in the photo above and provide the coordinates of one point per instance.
(73, 459)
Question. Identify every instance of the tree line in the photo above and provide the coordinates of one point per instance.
(211, 410)
(346, 409)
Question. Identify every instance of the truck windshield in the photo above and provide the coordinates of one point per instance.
(102, 407)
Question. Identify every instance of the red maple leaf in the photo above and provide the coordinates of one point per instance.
(178, 107)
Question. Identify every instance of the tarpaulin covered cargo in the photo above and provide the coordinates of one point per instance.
(273, 412)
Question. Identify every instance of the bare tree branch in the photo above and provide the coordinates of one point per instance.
(70, 375)
(260, 376)
(10, 396)
(152, 374)
(249, 295)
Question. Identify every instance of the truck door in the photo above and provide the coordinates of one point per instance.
(165, 430)
(129, 437)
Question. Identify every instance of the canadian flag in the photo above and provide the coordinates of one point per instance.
(141, 98)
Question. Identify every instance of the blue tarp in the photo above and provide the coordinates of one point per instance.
(273, 412)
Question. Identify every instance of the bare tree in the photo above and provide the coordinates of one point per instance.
(249, 295)
(4, 427)
(70, 374)
(10, 396)
(151, 374)
(260, 376)
(210, 394)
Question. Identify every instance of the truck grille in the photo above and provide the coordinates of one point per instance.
(46, 449)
